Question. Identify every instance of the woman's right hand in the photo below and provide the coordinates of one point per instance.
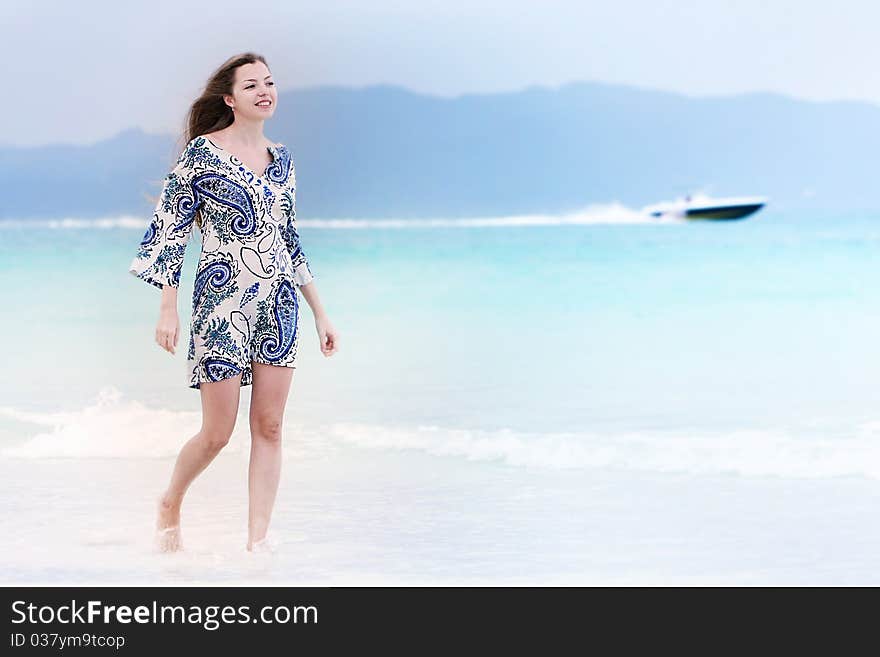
(168, 327)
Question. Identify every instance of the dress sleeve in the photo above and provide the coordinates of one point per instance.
(302, 274)
(160, 254)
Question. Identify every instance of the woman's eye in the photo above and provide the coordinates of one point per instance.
(272, 84)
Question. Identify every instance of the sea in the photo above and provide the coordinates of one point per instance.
(591, 398)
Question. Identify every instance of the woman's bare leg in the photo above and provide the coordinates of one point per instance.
(219, 409)
(271, 385)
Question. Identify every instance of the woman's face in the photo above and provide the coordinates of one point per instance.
(253, 95)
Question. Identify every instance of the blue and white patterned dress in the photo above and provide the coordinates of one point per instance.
(244, 304)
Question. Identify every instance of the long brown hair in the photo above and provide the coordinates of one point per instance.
(209, 112)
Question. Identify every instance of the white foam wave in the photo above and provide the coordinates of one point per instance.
(608, 214)
(613, 213)
(115, 427)
(110, 427)
(746, 453)
(73, 223)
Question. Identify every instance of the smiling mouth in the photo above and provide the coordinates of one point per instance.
(264, 103)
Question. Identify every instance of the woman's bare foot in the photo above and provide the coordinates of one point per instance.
(265, 545)
(168, 537)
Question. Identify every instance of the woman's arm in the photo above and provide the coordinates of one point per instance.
(328, 338)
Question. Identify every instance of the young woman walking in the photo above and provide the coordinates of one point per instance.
(240, 189)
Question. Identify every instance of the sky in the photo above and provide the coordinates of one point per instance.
(78, 72)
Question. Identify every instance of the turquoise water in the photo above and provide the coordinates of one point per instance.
(757, 323)
(608, 385)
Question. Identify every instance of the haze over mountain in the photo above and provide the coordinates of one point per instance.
(383, 151)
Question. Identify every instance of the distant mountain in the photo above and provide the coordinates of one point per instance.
(385, 151)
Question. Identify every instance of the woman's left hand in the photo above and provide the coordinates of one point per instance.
(328, 338)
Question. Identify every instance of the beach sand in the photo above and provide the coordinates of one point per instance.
(358, 516)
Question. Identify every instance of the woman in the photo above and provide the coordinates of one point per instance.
(240, 189)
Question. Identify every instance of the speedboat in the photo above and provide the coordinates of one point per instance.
(705, 207)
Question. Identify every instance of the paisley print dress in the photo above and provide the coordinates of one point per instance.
(245, 302)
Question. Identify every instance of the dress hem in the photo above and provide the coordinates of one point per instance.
(245, 380)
